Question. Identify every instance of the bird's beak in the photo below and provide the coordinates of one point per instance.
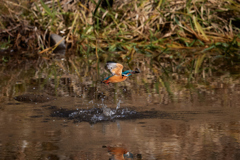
(137, 70)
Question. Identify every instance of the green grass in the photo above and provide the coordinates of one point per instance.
(126, 28)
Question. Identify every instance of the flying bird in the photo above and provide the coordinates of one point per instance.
(117, 74)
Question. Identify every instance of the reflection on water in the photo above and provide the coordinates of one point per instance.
(168, 117)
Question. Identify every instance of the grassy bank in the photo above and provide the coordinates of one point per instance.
(144, 26)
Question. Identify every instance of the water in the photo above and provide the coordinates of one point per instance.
(58, 109)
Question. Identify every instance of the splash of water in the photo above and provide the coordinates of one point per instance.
(118, 105)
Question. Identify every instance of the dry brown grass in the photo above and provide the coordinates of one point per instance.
(145, 24)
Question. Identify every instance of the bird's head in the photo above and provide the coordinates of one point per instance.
(128, 155)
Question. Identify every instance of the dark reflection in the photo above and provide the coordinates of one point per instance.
(48, 146)
(229, 149)
(33, 98)
(50, 157)
(103, 114)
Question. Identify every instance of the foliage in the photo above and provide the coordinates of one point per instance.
(127, 28)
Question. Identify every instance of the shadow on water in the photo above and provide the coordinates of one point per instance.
(177, 108)
(95, 115)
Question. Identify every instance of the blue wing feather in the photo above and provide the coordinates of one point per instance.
(107, 78)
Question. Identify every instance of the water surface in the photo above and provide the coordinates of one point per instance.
(177, 118)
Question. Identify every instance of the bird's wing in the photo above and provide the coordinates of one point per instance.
(115, 68)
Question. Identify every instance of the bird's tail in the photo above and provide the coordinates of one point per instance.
(105, 81)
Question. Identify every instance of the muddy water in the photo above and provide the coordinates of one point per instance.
(45, 113)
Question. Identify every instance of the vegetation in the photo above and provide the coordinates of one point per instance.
(146, 26)
(81, 77)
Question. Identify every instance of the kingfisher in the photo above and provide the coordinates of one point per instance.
(119, 153)
(117, 74)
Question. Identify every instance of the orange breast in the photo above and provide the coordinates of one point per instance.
(117, 152)
(115, 79)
